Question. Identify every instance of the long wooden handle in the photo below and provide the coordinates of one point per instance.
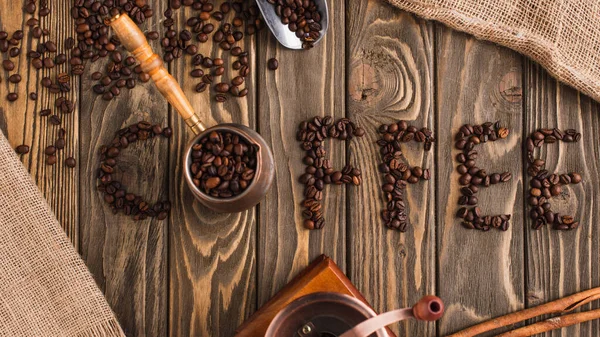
(135, 42)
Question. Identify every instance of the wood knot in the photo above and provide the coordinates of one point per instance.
(363, 85)
(510, 86)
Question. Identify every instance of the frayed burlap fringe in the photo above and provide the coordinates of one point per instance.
(45, 288)
(562, 35)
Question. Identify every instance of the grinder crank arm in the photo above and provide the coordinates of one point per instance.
(429, 308)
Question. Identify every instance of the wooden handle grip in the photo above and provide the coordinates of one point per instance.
(135, 42)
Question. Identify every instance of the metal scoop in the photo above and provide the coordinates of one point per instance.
(135, 42)
(282, 32)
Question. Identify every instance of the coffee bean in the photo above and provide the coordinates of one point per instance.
(200, 87)
(22, 149)
(14, 78)
(273, 64)
(54, 119)
(8, 65)
(153, 35)
(50, 150)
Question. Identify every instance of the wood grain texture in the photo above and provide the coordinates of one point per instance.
(212, 258)
(480, 273)
(307, 84)
(21, 122)
(562, 263)
(390, 78)
(127, 258)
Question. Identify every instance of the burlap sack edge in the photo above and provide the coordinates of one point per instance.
(108, 326)
(500, 34)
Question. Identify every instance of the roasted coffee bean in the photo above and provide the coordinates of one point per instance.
(60, 143)
(22, 149)
(575, 178)
(50, 150)
(8, 65)
(14, 78)
(222, 87)
(200, 87)
(273, 64)
(50, 160)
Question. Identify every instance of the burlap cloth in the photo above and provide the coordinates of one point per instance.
(45, 288)
(562, 35)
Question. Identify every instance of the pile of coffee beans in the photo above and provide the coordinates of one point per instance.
(120, 72)
(94, 42)
(44, 56)
(319, 172)
(115, 193)
(208, 21)
(223, 164)
(93, 38)
(472, 178)
(546, 185)
(302, 17)
(396, 171)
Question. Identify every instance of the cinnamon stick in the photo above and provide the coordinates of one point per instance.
(553, 323)
(562, 305)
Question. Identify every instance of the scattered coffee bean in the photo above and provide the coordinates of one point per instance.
(8, 65)
(50, 160)
(22, 149)
(70, 162)
(273, 64)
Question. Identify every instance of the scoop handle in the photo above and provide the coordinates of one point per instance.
(135, 42)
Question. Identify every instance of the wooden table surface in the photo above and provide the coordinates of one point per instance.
(199, 273)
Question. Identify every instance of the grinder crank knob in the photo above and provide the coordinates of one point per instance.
(429, 308)
(135, 42)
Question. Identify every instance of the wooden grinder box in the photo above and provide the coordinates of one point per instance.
(322, 275)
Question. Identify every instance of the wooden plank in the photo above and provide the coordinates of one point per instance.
(20, 120)
(481, 274)
(127, 258)
(390, 78)
(562, 263)
(212, 256)
(307, 84)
